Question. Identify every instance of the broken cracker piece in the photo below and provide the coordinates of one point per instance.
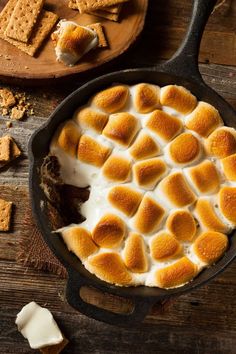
(41, 30)
(23, 19)
(98, 28)
(4, 111)
(55, 349)
(17, 113)
(5, 215)
(7, 98)
(15, 150)
(5, 151)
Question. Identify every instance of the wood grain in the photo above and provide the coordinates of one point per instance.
(120, 35)
(203, 321)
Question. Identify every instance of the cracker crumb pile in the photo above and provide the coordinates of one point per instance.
(16, 106)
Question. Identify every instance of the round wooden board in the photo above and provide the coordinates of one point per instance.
(120, 35)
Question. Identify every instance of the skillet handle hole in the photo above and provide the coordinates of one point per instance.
(112, 303)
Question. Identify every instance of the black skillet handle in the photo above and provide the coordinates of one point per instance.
(140, 310)
(184, 63)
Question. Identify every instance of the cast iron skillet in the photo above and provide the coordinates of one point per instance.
(182, 69)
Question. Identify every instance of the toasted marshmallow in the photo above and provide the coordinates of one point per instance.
(204, 119)
(67, 137)
(204, 177)
(210, 246)
(221, 143)
(182, 225)
(109, 231)
(73, 41)
(208, 218)
(148, 172)
(149, 215)
(176, 190)
(88, 118)
(144, 147)
(79, 241)
(92, 152)
(112, 99)
(146, 98)
(125, 199)
(164, 246)
(176, 274)
(229, 167)
(110, 268)
(135, 257)
(164, 125)
(121, 128)
(178, 98)
(184, 149)
(227, 203)
(117, 169)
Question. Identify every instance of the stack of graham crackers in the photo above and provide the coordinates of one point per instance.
(25, 24)
(109, 9)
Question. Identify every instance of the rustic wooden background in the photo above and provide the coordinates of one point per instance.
(203, 321)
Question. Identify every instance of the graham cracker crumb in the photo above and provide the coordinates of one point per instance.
(7, 98)
(8, 124)
(17, 112)
(5, 215)
(4, 111)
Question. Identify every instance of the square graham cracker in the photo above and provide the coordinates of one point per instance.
(5, 215)
(23, 19)
(5, 16)
(41, 30)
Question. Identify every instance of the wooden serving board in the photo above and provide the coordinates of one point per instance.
(120, 35)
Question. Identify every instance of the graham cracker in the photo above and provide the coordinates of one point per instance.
(104, 14)
(72, 4)
(17, 113)
(55, 349)
(41, 30)
(23, 19)
(91, 5)
(5, 149)
(5, 215)
(7, 98)
(5, 16)
(98, 28)
(13, 149)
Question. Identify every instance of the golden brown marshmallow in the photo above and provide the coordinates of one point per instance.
(112, 99)
(117, 169)
(164, 246)
(68, 138)
(179, 273)
(121, 128)
(207, 216)
(135, 257)
(110, 268)
(184, 149)
(210, 246)
(109, 231)
(149, 215)
(148, 172)
(177, 190)
(204, 119)
(164, 125)
(182, 225)
(79, 241)
(125, 199)
(227, 203)
(205, 177)
(146, 98)
(178, 98)
(221, 143)
(229, 167)
(90, 119)
(92, 152)
(144, 147)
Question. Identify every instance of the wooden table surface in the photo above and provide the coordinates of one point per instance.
(203, 321)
